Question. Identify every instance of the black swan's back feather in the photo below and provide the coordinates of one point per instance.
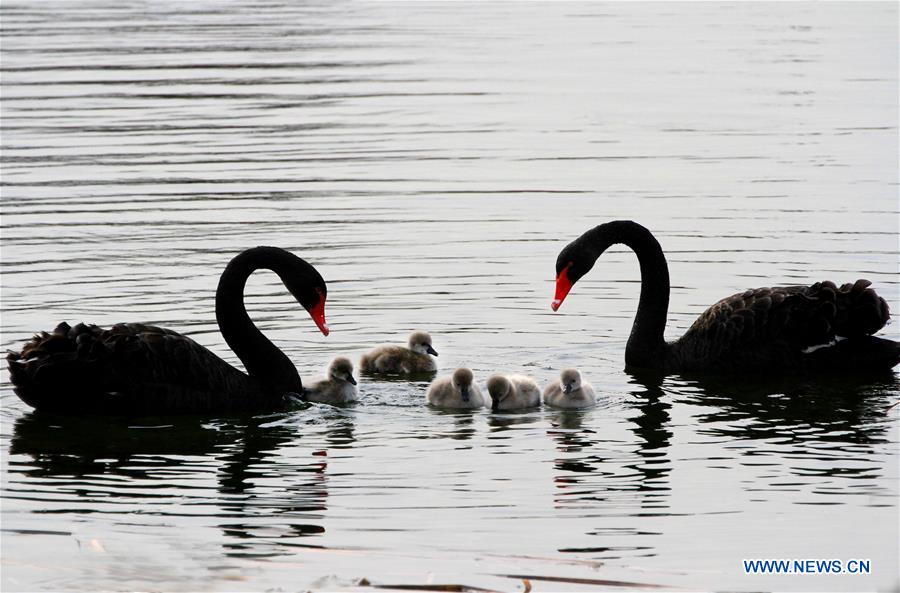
(782, 326)
(129, 369)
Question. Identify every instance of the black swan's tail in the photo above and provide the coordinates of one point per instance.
(847, 317)
(53, 365)
(859, 311)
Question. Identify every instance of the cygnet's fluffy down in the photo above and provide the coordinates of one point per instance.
(570, 391)
(338, 388)
(456, 391)
(513, 392)
(389, 359)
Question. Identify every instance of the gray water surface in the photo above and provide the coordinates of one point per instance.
(431, 160)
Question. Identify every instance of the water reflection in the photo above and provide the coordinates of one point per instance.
(503, 422)
(578, 462)
(460, 424)
(269, 504)
(793, 410)
(651, 427)
(788, 434)
(63, 446)
(341, 433)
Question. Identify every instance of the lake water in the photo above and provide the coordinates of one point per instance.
(431, 160)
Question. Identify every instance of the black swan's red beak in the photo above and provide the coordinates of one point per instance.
(563, 286)
(317, 312)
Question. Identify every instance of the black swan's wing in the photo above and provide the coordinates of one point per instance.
(781, 323)
(129, 368)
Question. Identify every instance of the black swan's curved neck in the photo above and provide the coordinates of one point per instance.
(262, 359)
(646, 345)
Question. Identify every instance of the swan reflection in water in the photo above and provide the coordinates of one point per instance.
(608, 478)
(650, 425)
(270, 495)
(462, 428)
(839, 408)
(830, 426)
(86, 456)
(582, 453)
(826, 423)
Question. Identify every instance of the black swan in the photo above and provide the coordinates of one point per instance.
(136, 369)
(787, 328)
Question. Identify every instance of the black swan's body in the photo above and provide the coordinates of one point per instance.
(772, 329)
(135, 369)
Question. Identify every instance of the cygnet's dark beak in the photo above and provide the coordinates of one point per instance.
(431, 350)
(567, 388)
(351, 379)
(464, 389)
